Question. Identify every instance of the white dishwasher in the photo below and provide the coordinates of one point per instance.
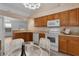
(36, 37)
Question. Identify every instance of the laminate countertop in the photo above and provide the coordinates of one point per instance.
(33, 30)
(72, 35)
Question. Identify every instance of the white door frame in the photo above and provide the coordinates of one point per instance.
(2, 31)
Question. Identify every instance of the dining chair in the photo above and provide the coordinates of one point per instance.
(12, 45)
(45, 44)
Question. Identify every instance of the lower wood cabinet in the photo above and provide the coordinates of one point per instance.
(69, 45)
(27, 36)
(73, 46)
(63, 44)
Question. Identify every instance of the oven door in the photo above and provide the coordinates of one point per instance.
(53, 37)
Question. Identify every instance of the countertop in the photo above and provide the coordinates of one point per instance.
(72, 35)
(45, 30)
(33, 30)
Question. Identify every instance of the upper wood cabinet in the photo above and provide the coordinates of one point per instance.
(37, 22)
(67, 18)
(41, 21)
(50, 17)
(44, 21)
(64, 18)
(73, 17)
(57, 16)
(78, 16)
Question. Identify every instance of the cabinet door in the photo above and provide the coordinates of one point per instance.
(63, 44)
(57, 16)
(28, 36)
(51, 17)
(41, 21)
(64, 18)
(73, 46)
(78, 16)
(38, 22)
(44, 21)
(73, 17)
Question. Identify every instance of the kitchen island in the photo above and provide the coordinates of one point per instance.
(27, 35)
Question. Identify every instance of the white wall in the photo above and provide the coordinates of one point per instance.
(2, 34)
(31, 24)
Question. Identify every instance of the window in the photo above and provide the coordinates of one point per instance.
(8, 25)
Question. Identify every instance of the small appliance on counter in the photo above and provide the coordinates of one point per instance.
(66, 31)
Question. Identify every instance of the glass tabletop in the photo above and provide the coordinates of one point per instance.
(30, 50)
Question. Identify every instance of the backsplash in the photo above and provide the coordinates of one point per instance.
(74, 30)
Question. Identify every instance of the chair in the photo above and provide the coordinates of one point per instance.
(45, 44)
(12, 45)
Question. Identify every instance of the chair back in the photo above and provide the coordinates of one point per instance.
(45, 44)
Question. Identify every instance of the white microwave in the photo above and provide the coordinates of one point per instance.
(53, 23)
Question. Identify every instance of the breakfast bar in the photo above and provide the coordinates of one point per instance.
(28, 35)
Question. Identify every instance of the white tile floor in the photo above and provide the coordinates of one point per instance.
(55, 53)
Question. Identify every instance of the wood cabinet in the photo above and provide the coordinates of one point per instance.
(57, 16)
(73, 17)
(41, 21)
(44, 21)
(78, 16)
(50, 17)
(69, 45)
(63, 44)
(27, 36)
(67, 18)
(64, 18)
(37, 22)
(73, 46)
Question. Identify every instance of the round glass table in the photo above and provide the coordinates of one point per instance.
(30, 50)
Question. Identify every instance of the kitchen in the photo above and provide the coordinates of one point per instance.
(59, 24)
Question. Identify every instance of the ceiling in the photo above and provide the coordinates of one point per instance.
(20, 10)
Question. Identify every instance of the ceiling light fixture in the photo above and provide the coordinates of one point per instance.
(32, 5)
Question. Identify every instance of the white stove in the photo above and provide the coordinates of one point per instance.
(53, 33)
